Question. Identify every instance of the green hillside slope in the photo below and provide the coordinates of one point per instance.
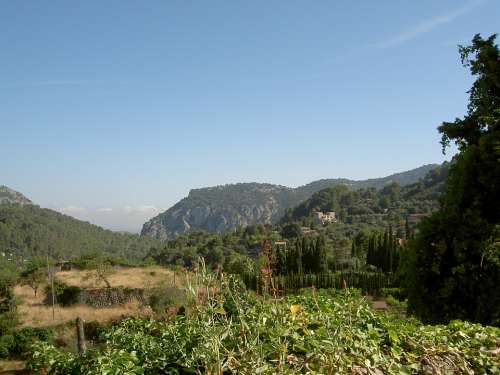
(28, 230)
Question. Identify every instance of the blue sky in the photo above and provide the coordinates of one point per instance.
(111, 111)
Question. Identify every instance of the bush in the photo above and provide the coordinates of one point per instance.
(25, 337)
(397, 293)
(69, 296)
(162, 298)
(92, 330)
(66, 295)
(6, 344)
(8, 321)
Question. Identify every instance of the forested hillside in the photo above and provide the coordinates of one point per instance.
(29, 230)
(390, 204)
(225, 208)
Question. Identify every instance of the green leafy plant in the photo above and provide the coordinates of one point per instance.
(318, 331)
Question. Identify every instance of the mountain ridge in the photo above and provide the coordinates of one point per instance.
(223, 208)
(10, 196)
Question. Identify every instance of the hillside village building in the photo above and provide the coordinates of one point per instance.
(325, 217)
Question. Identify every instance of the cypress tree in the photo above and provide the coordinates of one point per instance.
(407, 229)
(391, 248)
(298, 260)
(321, 251)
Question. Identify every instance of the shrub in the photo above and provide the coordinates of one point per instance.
(6, 344)
(161, 298)
(397, 293)
(25, 337)
(8, 321)
(69, 295)
(92, 330)
(66, 295)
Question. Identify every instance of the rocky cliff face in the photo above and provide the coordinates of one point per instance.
(224, 208)
(9, 196)
(221, 209)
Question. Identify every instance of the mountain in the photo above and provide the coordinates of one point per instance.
(9, 196)
(227, 207)
(27, 230)
(391, 203)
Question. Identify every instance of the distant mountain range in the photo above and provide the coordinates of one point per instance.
(224, 208)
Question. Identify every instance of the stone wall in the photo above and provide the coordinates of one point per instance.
(99, 297)
(105, 297)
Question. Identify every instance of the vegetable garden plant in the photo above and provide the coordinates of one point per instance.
(231, 331)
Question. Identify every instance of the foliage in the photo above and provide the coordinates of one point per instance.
(8, 278)
(25, 337)
(9, 318)
(66, 295)
(368, 282)
(455, 272)
(318, 332)
(397, 293)
(383, 251)
(34, 273)
(161, 298)
(100, 273)
(225, 250)
(93, 259)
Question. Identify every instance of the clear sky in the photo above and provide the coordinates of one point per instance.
(112, 110)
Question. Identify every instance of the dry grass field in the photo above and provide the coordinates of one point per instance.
(35, 313)
(136, 277)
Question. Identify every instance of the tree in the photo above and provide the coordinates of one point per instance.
(407, 229)
(8, 314)
(456, 266)
(291, 230)
(322, 256)
(34, 274)
(101, 273)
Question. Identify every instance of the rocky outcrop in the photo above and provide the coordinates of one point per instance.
(224, 208)
(9, 196)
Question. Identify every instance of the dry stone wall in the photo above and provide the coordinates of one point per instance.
(106, 297)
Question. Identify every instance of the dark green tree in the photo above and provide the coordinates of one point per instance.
(322, 255)
(456, 267)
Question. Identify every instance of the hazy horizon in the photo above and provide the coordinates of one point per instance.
(113, 111)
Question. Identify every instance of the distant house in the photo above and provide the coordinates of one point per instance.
(324, 217)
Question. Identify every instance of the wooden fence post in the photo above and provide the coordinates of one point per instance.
(80, 334)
